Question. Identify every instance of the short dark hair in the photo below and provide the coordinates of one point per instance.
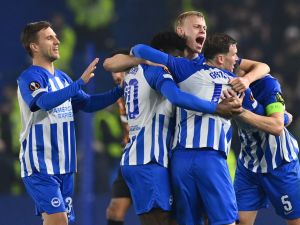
(218, 43)
(124, 51)
(29, 33)
(168, 41)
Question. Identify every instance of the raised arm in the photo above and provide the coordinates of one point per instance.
(121, 62)
(250, 72)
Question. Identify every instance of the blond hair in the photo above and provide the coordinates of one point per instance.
(184, 15)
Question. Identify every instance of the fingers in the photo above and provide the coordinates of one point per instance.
(239, 84)
(89, 72)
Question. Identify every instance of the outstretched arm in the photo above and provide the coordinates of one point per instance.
(121, 62)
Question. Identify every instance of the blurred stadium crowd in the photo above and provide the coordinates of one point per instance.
(267, 31)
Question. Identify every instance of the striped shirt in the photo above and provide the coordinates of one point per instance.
(150, 117)
(262, 152)
(195, 129)
(47, 137)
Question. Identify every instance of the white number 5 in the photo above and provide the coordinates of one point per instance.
(286, 203)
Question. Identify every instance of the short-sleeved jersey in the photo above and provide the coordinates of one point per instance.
(195, 129)
(150, 117)
(262, 152)
(47, 137)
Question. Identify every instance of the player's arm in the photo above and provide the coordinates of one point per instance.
(50, 100)
(250, 72)
(272, 123)
(121, 62)
(91, 103)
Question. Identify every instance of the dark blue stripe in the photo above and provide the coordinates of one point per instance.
(127, 149)
(40, 147)
(140, 147)
(278, 157)
(66, 146)
(211, 132)
(160, 140)
(24, 143)
(222, 139)
(152, 139)
(217, 92)
(248, 150)
(73, 147)
(183, 126)
(30, 150)
(197, 128)
(54, 148)
(170, 133)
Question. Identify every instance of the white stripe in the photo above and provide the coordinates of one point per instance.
(204, 132)
(35, 93)
(263, 164)
(273, 148)
(20, 157)
(60, 84)
(190, 128)
(156, 136)
(289, 139)
(34, 150)
(47, 149)
(27, 159)
(69, 140)
(217, 131)
(147, 143)
(53, 87)
(61, 148)
(165, 133)
(282, 138)
(132, 154)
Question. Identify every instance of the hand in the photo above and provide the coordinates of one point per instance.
(290, 116)
(89, 71)
(239, 84)
(150, 63)
(230, 105)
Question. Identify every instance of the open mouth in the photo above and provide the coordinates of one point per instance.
(200, 40)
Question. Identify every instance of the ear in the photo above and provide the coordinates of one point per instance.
(179, 31)
(220, 59)
(33, 47)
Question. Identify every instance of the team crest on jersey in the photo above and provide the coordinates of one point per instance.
(279, 98)
(34, 86)
(55, 202)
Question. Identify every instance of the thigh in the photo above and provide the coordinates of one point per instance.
(215, 186)
(283, 188)
(149, 186)
(120, 188)
(188, 202)
(249, 192)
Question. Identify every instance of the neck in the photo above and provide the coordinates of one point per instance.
(45, 64)
(190, 54)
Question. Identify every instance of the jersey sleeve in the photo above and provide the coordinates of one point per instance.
(272, 99)
(31, 85)
(181, 68)
(155, 76)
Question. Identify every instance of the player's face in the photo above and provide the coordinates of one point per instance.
(47, 45)
(230, 58)
(193, 29)
(118, 77)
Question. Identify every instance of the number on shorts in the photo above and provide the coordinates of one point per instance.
(69, 205)
(131, 98)
(287, 205)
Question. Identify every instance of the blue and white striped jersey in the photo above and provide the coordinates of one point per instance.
(262, 152)
(47, 137)
(194, 129)
(150, 117)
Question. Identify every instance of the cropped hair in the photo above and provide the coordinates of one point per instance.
(168, 41)
(218, 43)
(29, 33)
(184, 15)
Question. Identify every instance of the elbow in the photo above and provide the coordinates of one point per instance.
(267, 68)
(107, 65)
